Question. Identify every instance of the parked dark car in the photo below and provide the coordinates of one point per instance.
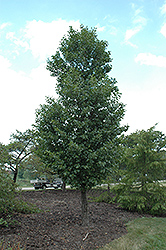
(42, 184)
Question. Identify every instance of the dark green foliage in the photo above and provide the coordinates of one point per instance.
(144, 161)
(4, 154)
(81, 141)
(104, 197)
(143, 166)
(78, 134)
(145, 155)
(7, 193)
(83, 52)
(134, 199)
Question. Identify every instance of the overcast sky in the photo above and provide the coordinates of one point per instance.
(30, 31)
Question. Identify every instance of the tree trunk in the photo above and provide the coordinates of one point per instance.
(108, 189)
(15, 175)
(84, 208)
(64, 186)
(143, 181)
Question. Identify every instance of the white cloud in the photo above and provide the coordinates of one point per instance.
(110, 27)
(163, 9)
(10, 35)
(133, 5)
(150, 59)
(44, 38)
(145, 108)
(163, 12)
(106, 17)
(99, 28)
(113, 31)
(138, 23)
(163, 30)
(20, 95)
(17, 41)
(4, 62)
(131, 32)
(4, 25)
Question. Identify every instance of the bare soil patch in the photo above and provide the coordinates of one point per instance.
(58, 226)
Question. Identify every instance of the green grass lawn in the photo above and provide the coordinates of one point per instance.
(143, 234)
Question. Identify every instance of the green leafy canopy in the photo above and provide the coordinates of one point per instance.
(78, 133)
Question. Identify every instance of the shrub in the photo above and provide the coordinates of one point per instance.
(7, 193)
(144, 164)
(132, 198)
(104, 197)
(151, 201)
(9, 202)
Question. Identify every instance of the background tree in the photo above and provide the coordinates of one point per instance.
(78, 133)
(145, 166)
(9, 202)
(32, 167)
(145, 155)
(20, 147)
(4, 155)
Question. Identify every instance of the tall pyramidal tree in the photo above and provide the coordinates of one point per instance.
(78, 133)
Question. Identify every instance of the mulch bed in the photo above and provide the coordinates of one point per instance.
(58, 226)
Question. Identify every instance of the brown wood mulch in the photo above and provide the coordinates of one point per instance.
(58, 226)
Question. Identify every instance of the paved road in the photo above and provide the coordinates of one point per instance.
(32, 188)
(28, 188)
